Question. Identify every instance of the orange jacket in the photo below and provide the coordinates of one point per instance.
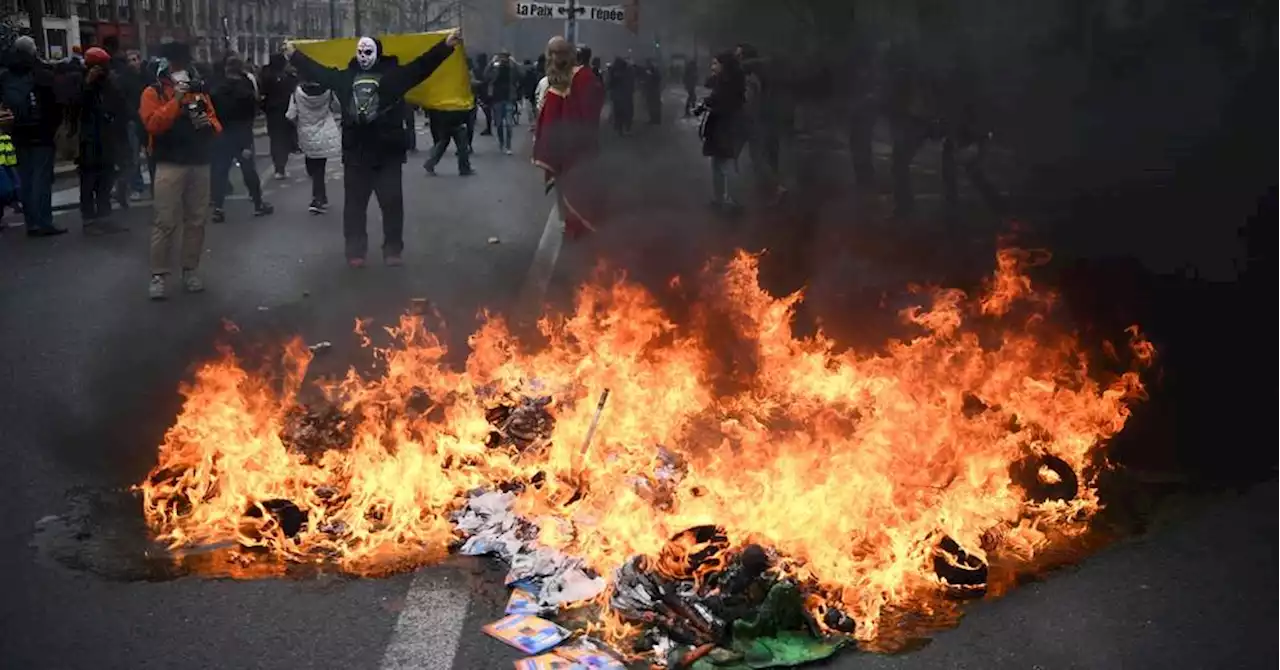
(160, 108)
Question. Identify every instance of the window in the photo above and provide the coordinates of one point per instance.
(56, 38)
(59, 9)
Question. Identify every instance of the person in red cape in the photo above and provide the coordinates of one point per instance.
(566, 136)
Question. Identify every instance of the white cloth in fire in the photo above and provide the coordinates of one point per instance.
(491, 527)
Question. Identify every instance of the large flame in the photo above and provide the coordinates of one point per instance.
(856, 467)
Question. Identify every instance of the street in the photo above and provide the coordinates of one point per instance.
(94, 372)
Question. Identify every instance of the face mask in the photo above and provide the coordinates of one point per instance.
(366, 53)
(180, 77)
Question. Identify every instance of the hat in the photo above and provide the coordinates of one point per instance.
(96, 56)
(25, 44)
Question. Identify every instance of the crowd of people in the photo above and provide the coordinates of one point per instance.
(188, 124)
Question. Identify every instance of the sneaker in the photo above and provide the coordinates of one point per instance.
(316, 207)
(431, 170)
(157, 290)
(507, 151)
(466, 173)
(393, 260)
(280, 176)
(49, 231)
(191, 281)
(263, 208)
(355, 263)
(219, 215)
(324, 205)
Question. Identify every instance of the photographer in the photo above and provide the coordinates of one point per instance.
(179, 116)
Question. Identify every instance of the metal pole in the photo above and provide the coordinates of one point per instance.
(356, 8)
(571, 23)
(333, 18)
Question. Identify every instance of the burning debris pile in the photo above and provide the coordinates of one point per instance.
(821, 497)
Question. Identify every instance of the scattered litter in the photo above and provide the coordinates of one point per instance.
(494, 240)
(529, 634)
(522, 602)
(590, 656)
(546, 662)
(263, 308)
(321, 346)
(306, 294)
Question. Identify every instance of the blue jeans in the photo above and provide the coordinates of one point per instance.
(503, 120)
(35, 170)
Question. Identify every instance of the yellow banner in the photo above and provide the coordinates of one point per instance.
(448, 88)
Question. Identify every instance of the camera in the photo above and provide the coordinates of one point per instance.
(700, 108)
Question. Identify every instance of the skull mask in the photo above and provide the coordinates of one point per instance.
(366, 52)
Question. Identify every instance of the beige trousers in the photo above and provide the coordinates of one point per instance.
(182, 200)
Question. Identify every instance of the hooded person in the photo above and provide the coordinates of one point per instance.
(370, 91)
(311, 109)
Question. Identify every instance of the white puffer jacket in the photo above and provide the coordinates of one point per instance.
(318, 132)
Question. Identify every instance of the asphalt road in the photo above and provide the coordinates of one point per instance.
(94, 369)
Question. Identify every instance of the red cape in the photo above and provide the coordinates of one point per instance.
(567, 135)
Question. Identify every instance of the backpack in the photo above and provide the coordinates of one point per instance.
(365, 105)
(19, 95)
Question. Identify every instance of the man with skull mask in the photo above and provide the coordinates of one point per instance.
(371, 91)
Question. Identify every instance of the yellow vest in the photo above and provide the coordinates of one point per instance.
(8, 157)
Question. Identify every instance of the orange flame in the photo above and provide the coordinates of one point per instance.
(853, 466)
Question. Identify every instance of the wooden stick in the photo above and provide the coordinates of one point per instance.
(591, 430)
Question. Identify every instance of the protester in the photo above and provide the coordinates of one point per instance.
(566, 137)
(502, 78)
(371, 91)
(32, 110)
(721, 128)
(236, 99)
(277, 87)
(8, 174)
(759, 122)
(450, 126)
(690, 86)
(529, 86)
(482, 93)
(183, 123)
(652, 86)
(128, 75)
(622, 92)
(103, 140)
(311, 110)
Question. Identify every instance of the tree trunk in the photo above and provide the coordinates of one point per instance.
(35, 14)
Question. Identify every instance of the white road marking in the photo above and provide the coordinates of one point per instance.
(429, 627)
(534, 291)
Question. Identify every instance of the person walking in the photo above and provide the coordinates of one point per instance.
(277, 87)
(622, 94)
(311, 110)
(503, 80)
(32, 113)
(721, 130)
(103, 142)
(450, 126)
(371, 91)
(566, 138)
(182, 122)
(236, 99)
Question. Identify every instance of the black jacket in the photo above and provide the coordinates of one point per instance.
(375, 135)
(236, 100)
(103, 133)
(27, 88)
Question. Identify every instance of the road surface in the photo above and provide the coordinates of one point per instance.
(93, 373)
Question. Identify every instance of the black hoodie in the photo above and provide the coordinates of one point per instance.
(373, 126)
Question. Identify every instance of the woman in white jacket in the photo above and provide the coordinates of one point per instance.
(311, 108)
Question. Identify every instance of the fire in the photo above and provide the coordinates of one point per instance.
(885, 477)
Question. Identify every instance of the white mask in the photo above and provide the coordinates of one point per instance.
(366, 52)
